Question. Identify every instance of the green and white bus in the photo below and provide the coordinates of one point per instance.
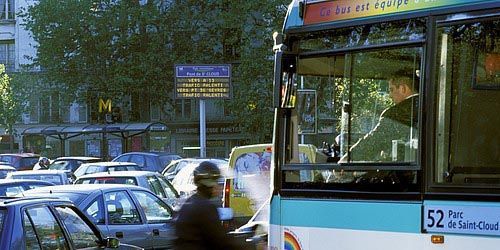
(428, 179)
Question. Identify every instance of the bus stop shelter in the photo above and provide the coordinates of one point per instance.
(63, 133)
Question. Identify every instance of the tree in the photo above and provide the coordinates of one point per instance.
(10, 108)
(123, 47)
(105, 48)
(235, 31)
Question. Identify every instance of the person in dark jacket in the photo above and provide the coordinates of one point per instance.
(197, 224)
(396, 123)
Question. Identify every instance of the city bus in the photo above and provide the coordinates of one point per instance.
(407, 114)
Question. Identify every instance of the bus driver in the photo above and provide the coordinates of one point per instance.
(396, 123)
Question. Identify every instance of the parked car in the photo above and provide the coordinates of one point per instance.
(175, 166)
(133, 214)
(22, 161)
(71, 163)
(47, 223)
(184, 180)
(11, 187)
(58, 177)
(154, 181)
(105, 166)
(148, 161)
(5, 169)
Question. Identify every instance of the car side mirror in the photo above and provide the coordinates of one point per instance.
(112, 242)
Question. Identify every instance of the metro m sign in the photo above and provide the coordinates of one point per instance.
(104, 105)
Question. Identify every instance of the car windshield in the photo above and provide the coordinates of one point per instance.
(3, 173)
(108, 180)
(11, 190)
(166, 159)
(28, 161)
(124, 168)
(56, 179)
(59, 165)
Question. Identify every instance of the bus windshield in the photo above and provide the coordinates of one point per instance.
(364, 104)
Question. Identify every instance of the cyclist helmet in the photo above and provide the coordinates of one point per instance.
(206, 174)
(44, 161)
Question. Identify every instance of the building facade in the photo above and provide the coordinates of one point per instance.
(103, 127)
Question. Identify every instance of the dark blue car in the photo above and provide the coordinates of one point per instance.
(148, 161)
(132, 214)
(47, 223)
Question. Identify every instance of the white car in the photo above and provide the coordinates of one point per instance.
(184, 180)
(58, 177)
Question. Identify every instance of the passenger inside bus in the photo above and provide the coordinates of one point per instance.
(391, 139)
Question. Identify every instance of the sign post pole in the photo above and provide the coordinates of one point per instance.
(203, 130)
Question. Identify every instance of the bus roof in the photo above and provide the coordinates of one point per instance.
(303, 13)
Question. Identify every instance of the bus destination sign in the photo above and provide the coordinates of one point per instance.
(203, 82)
(473, 218)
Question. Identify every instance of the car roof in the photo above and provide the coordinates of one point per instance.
(191, 166)
(40, 172)
(81, 158)
(118, 174)
(109, 163)
(12, 201)
(83, 188)
(198, 160)
(9, 181)
(21, 154)
(150, 153)
(6, 167)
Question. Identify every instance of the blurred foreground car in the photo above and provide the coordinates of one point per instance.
(153, 181)
(58, 177)
(148, 161)
(175, 166)
(11, 187)
(133, 214)
(22, 161)
(105, 166)
(47, 223)
(5, 169)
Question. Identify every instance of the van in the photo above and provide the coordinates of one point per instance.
(248, 188)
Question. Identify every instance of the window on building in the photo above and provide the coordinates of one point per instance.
(214, 110)
(183, 108)
(33, 110)
(50, 107)
(73, 112)
(7, 9)
(155, 109)
(7, 54)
